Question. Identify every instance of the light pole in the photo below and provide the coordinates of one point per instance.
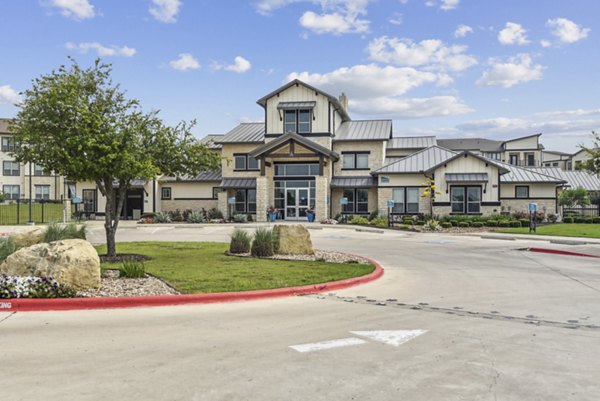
(30, 198)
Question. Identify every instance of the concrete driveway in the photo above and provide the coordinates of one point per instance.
(494, 323)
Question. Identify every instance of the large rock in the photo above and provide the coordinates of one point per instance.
(293, 239)
(73, 262)
(28, 237)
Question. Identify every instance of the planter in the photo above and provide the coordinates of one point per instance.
(310, 217)
(272, 216)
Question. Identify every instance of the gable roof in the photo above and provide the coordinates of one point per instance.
(466, 153)
(573, 178)
(485, 145)
(411, 142)
(209, 140)
(364, 130)
(522, 137)
(4, 122)
(245, 133)
(336, 103)
(418, 162)
(289, 137)
(517, 174)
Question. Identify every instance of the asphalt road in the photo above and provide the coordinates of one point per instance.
(497, 323)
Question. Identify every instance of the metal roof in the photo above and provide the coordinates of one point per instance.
(291, 136)
(245, 133)
(364, 130)
(482, 144)
(392, 159)
(240, 183)
(466, 177)
(135, 183)
(209, 140)
(203, 176)
(573, 178)
(296, 105)
(522, 174)
(4, 125)
(411, 142)
(418, 162)
(353, 182)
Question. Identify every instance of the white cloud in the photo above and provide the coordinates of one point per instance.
(570, 113)
(165, 10)
(513, 34)
(8, 95)
(449, 4)
(408, 108)
(240, 65)
(462, 31)
(516, 70)
(395, 19)
(566, 30)
(102, 51)
(75, 9)
(545, 43)
(185, 62)
(431, 53)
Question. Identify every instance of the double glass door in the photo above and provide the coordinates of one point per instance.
(297, 201)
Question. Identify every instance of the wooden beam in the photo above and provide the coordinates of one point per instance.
(262, 166)
(321, 165)
(292, 148)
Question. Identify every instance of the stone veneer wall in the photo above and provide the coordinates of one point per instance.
(336, 195)
(522, 205)
(222, 203)
(262, 198)
(322, 194)
(384, 194)
(170, 205)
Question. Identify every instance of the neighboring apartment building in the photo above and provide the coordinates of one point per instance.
(565, 161)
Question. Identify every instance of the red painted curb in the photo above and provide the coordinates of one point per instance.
(27, 305)
(559, 252)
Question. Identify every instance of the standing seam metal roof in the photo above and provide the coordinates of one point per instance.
(482, 144)
(202, 176)
(411, 142)
(245, 133)
(353, 182)
(364, 130)
(466, 177)
(573, 178)
(418, 162)
(521, 174)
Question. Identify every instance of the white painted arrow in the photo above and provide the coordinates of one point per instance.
(342, 342)
(390, 337)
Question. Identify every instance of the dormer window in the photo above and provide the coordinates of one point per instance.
(297, 121)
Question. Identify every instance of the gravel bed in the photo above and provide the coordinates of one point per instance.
(113, 286)
(321, 256)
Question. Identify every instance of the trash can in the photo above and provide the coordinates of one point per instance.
(137, 214)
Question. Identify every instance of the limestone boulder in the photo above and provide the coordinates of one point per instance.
(28, 237)
(293, 239)
(73, 262)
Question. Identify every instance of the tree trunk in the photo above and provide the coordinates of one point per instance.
(109, 215)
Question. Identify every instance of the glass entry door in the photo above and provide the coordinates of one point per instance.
(296, 203)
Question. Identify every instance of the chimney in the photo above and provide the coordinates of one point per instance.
(344, 101)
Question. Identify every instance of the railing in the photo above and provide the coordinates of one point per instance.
(525, 163)
(15, 212)
(589, 211)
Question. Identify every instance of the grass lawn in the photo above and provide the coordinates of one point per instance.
(565, 230)
(202, 267)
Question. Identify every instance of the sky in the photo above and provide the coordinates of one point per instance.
(495, 69)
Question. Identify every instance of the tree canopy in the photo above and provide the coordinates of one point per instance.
(574, 197)
(592, 164)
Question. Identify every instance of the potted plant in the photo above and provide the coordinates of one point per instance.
(272, 213)
(310, 215)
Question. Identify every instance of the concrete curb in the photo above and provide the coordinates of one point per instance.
(63, 304)
(560, 252)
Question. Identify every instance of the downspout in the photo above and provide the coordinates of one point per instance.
(154, 195)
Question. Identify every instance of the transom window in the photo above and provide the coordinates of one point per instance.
(245, 201)
(245, 162)
(406, 200)
(355, 161)
(42, 192)
(11, 191)
(11, 168)
(298, 170)
(297, 121)
(358, 200)
(521, 191)
(465, 200)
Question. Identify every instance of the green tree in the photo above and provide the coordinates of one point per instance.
(592, 164)
(574, 197)
(79, 124)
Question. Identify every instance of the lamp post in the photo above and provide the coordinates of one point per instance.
(30, 198)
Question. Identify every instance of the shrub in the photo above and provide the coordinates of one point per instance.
(477, 224)
(162, 217)
(265, 243)
(33, 287)
(524, 222)
(373, 215)
(214, 214)
(580, 220)
(359, 220)
(420, 223)
(195, 217)
(240, 218)
(464, 224)
(176, 215)
(596, 220)
(58, 232)
(408, 221)
(7, 247)
(552, 218)
(569, 220)
(186, 214)
(516, 223)
(454, 223)
(446, 224)
(588, 220)
(432, 225)
(240, 241)
(491, 223)
(132, 268)
(381, 222)
(504, 223)
(146, 220)
(147, 215)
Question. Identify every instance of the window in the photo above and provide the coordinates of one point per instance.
(297, 121)
(349, 207)
(465, 200)
(245, 163)
(245, 201)
(11, 168)
(522, 191)
(39, 170)
(356, 161)
(215, 192)
(165, 193)
(11, 191)
(8, 144)
(555, 164)
(89, 200)
(406, 200)
(362, 200)
(493, 155)
(513, 159)
(42, 192)
(531, 159)
(297, 169)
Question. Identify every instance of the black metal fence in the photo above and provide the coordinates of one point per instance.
(589, 211)
(15, 212)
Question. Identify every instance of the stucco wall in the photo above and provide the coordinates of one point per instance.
(196, 205)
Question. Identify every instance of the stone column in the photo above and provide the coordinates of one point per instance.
(322, 194)
(262, 198)
(67, 210)
(222, 204)
(383, 196)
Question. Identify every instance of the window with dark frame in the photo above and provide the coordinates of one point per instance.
(39, 170)
(358, 200)
(11, 168)
(42, 192)
(245, 162)
(245, 201)
(522, 191)
(165, 193)
(297, 121)
(406, 200)
(8, 144)
(355, 161)
(12, 192)
(215, 192)
(465, 199)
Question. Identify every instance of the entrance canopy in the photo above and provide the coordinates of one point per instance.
(238, 183)
(353, 182)
(292, 139)
(466, 177)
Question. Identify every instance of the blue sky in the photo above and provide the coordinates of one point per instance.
(451, 68)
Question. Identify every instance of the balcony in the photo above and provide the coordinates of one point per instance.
(525, 162)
